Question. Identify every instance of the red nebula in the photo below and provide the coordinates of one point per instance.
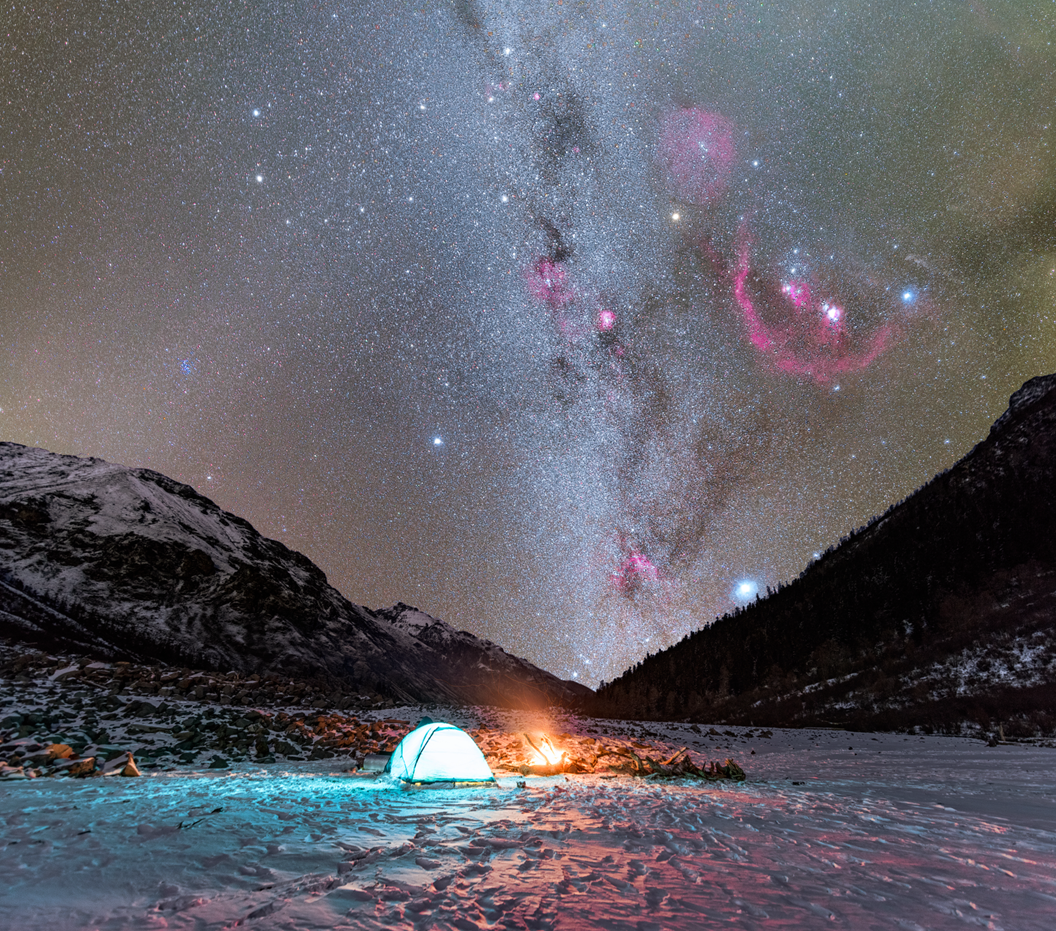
(548, 282)
(697, 149)
(804, 331)
(635, 570)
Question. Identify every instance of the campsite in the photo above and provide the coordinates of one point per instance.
(484, 465)
(864, 830)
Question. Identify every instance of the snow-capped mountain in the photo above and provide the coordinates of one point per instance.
(129, 563)
(939, 613)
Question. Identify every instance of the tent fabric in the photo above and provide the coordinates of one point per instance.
(439, 752)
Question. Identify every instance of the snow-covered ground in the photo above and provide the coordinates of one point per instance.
(831, 829)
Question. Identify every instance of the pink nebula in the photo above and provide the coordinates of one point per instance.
(606, 320)
(635, 570)
(548, 282)
(804, 330)
(698, 151)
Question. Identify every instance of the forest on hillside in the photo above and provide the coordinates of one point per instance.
(968, 560)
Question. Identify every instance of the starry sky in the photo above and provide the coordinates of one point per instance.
(575, 324)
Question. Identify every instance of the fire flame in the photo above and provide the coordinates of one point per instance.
(545, 751)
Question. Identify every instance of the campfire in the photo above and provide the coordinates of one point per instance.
(541, 756)
(544, 755)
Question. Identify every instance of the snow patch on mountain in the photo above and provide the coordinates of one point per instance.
(130, 562)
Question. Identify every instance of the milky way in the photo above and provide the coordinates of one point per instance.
(576, 324)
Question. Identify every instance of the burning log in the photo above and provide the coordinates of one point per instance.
(540, 757)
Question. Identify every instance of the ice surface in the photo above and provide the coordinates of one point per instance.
(856, 830)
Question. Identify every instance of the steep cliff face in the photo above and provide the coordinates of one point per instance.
(941, 610)
(127, 562)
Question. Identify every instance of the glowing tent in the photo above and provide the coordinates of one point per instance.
(438, 753)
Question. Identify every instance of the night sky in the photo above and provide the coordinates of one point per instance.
(574, 324)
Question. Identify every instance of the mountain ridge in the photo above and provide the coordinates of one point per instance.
(908, 621)
(129, 562)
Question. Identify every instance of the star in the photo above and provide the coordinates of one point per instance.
(745, 589)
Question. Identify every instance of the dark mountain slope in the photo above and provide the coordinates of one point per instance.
(127, 563)
(939, 612)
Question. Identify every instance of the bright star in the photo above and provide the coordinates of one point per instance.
(745, 590)
(438, 441)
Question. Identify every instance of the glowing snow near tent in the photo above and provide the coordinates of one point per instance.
(439, 753)
(902, 831)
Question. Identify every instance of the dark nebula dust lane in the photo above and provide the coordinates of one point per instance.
(573, 324)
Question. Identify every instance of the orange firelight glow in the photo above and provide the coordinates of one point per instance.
(545, 751)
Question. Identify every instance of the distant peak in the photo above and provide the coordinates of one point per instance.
(409, 617)
(1032, 391)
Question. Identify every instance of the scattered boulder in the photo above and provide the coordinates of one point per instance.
(82, 768)
(121, 765)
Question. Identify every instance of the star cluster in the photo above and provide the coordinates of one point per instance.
(574, 324)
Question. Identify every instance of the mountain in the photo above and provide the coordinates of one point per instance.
(129, 564)
(939, 614)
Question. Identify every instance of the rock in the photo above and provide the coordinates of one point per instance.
(114, 765)
(218, 762)
(82, 768)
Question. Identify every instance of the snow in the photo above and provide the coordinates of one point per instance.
(831, 828)
(1023, 660)
(79, 546)
(413, 620)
